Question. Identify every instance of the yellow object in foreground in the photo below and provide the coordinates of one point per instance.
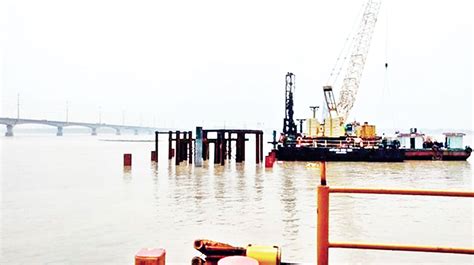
(266, 255)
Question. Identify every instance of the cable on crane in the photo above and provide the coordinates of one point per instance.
(345, 48)
(386, 77)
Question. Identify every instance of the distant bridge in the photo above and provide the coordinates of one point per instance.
(11, 122)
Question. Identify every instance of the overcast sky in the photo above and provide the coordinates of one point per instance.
(188, 63)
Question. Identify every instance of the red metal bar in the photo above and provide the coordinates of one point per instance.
(322, 168)
(323, 243)
(127, 160)
(469, 194)
(323, 225)
(436, 249)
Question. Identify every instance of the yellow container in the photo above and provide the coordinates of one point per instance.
(358, 131)
(367, 131)
(265, 255)
(312, 126)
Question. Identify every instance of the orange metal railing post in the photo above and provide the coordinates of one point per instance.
(323, 225)
(322, 168)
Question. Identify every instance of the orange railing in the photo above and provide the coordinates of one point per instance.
(323, 243)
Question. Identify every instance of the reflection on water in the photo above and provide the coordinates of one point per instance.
(127, 174)
(98, 206)
(289, 206)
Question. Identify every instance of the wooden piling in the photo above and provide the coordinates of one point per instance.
(170, 145)
(178, 148)
(257, 148)
(156, 147)
(229, 149)
(237, 149)
(216, 152)
(190, 147)
(223, 142)
(198, 147)
(243, 147)
(219, 148)
(185, 147)
(205, 147)
(240, 147)
(222, 148)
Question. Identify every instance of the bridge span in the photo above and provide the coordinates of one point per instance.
(12, 122)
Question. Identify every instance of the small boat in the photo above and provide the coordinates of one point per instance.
(420, 147)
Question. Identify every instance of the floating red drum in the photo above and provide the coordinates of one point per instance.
(273, 155)
(269, 160)
(127, 160)
(153, 156)
(155, 256)
(237, 260)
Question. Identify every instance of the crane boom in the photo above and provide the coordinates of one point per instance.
(357, 60)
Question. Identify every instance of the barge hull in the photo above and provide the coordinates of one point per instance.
(339, 154)
(429, 154)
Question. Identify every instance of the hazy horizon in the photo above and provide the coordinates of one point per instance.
(186, 63)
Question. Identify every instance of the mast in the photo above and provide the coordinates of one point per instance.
(289, 125)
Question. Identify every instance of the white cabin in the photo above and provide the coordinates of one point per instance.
(412, 140)
(453, 140)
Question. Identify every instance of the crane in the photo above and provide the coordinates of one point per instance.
(355, 66)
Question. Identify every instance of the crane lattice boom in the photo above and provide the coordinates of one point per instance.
(357, 59)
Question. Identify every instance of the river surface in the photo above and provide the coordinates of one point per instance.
(69, 200)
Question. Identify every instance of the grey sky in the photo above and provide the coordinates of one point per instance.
(183, 62)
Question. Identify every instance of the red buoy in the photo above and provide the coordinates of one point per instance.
(155, 256)
(269, 161)
(127, 160)
(273, 154)
(154, 157)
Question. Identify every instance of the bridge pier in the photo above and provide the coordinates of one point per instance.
(136, 132)
(117, 132)
(94, 131)
(60, 131)
(9, 130)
